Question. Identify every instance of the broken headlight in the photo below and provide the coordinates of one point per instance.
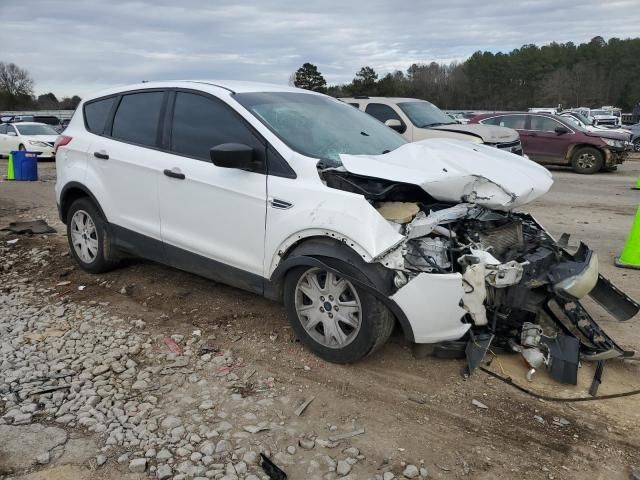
(579, 285)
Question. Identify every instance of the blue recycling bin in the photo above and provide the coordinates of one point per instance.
(25, 165)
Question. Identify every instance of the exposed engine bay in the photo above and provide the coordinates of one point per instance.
(521, 287)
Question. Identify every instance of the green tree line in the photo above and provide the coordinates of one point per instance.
(590, 74)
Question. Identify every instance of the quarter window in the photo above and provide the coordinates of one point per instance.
(137, 118)
(96, 114)
(200, 123)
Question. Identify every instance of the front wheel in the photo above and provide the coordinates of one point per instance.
(587, 160)
(22, 148)
(334, 317)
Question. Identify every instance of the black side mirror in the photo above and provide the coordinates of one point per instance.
(233, 155)
(560, 130)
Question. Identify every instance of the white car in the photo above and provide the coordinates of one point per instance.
(417, 120)
(31, 136)
(299, 197)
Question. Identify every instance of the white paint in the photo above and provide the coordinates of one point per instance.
(456, 171)
(431, 303)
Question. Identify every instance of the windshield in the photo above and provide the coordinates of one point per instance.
(582, 118)
(35, 130)
(425, 114)
(319, 126)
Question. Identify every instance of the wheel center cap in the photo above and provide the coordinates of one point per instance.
(327, 306)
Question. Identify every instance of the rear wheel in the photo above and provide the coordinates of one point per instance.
(88, 237)
(335, 318)
(587, 160)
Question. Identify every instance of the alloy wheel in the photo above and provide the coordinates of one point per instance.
(586, 160)
(328, 307)
(84, 236)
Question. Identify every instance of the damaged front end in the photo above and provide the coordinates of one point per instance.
(494, 278)
(517, 279)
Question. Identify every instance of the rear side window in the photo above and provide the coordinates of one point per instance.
(543, 124)
(517, 122)
(200, 123)
(3, 129)
(96, 114)
(137, 117)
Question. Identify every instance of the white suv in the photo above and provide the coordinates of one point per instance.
(301, 198)
(418, 120)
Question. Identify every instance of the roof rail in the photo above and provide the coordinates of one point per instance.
(360, 97)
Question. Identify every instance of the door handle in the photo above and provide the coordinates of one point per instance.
(101, 155)
(174, 174)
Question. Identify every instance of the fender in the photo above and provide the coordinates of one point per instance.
(310, 254)
(67, 196)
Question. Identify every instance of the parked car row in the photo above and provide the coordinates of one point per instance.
(420, 120)
(56, 123)
(557, 140)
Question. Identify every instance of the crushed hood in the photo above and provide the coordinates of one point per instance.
(488, 133)
(458, 171)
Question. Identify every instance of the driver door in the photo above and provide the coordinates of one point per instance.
(212, 218)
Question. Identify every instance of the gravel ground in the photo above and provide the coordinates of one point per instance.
(150, 372)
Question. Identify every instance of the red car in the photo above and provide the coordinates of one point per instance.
(551, 140)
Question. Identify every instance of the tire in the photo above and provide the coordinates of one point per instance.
(22, 148)
(375, 321)
(587, 160)
(89, 238)
(636, 145)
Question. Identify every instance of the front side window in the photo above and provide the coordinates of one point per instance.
(200, 123)
(425, 114)
(543, 124)
(36, 130)
(96, 114)
(382, 112)
(319, 126)
(137, 117)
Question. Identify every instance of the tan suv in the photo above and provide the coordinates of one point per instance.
(418, 119)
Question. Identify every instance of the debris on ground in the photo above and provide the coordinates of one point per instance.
(32, 227)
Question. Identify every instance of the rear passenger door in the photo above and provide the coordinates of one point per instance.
(213, 218)
(545, 145)
(123, 167)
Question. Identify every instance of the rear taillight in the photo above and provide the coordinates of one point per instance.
(61, 141)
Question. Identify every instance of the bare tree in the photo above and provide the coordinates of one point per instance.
(14, 83)
(14, 80)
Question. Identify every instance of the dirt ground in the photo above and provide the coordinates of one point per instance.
(414, 410)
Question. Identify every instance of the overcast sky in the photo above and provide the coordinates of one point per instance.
(75, 47)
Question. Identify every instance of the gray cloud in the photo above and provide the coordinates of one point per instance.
(79, 46)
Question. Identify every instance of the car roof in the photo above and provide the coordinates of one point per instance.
(392, 99)
(233, 86)
(17, 124)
